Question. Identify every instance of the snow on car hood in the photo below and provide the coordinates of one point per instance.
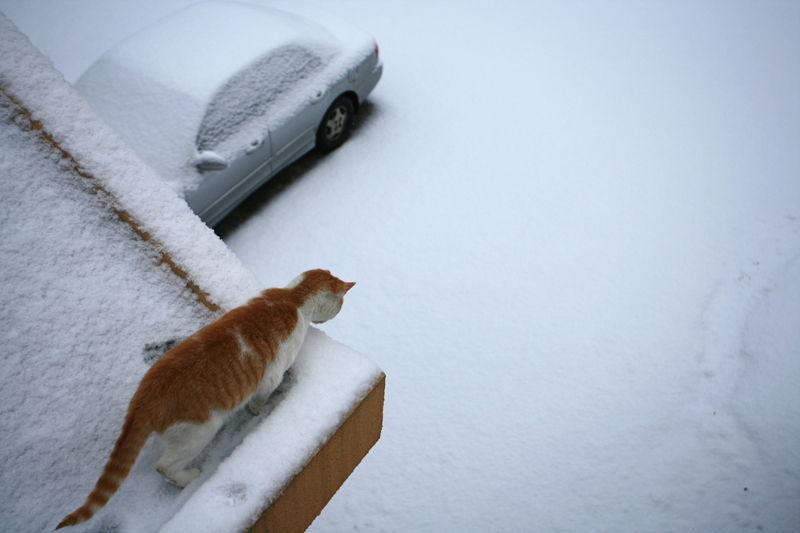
(213, 76)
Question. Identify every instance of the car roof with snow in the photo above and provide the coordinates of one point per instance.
(197, 49)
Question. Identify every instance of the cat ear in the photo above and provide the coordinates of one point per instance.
(348, 286)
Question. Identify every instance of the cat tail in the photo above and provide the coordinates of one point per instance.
(129, 443)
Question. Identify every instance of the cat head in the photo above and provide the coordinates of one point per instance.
(324, 293)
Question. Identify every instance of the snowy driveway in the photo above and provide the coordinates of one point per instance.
(574, 228)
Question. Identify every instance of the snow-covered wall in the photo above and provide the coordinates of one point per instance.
(101, 266)
(29, 79)
(81, 296)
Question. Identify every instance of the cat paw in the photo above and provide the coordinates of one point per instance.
(254, 407)
(255, 404)
(189, 475)
(181, 477)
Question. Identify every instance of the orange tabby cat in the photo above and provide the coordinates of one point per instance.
(191, 390)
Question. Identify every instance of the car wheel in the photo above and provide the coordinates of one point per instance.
(336, 124)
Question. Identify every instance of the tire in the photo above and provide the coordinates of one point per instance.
(336, 124)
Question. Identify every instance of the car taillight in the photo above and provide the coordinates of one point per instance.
(377, 51)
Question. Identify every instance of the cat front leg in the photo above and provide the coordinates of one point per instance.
(258, 399)
(256, 403)
(265, 388)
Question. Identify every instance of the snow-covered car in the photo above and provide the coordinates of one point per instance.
(220, 96)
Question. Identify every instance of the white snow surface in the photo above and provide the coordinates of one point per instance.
(84, 301)
(576, 236)
(118, 170)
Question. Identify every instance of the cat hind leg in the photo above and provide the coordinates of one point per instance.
(182, 443)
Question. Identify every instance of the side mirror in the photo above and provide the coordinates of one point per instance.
(207, 160)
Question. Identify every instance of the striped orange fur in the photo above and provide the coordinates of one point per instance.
(188, 393)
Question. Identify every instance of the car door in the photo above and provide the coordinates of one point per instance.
(296, 135)
(221, 190)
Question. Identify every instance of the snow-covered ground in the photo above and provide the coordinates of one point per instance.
(575, 228)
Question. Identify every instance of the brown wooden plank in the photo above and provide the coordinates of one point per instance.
(307, 494)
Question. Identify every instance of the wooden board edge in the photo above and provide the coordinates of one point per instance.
(310, 491)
